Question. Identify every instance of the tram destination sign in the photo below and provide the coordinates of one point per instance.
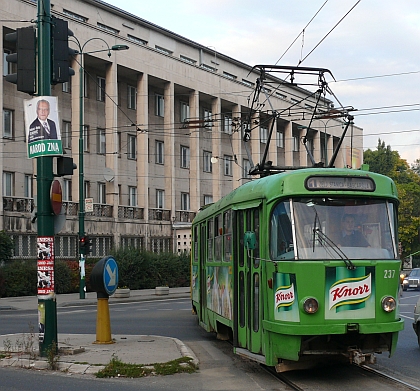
(343, 183)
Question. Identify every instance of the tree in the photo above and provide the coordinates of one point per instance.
(387, 162)
(6, 247)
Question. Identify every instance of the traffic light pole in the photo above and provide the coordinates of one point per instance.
(47, 305)
(82, 249)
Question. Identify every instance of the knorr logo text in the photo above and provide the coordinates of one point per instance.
(350, 291)
(284, 296)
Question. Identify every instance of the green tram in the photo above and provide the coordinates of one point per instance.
(301, 266)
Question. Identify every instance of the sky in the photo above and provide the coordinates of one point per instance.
(370, 46)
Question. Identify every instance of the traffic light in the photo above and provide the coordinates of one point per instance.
(85, 245)
(24, 58)
(60, 51)
(65, 166)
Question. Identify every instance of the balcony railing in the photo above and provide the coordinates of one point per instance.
(130, 212)
(18, 204)
(160, 214)
(184, 216)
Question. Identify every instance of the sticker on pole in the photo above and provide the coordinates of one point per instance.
(110, 276)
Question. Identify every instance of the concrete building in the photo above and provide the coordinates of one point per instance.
(163, 124)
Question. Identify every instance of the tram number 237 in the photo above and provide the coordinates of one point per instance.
(389, 273)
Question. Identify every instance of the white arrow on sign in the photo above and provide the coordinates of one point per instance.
(112, 275)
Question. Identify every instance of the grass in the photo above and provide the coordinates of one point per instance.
(117, 368)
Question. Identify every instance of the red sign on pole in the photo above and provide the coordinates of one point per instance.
(45, 265)
(56, 197)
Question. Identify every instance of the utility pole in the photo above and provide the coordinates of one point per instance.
(47, 305)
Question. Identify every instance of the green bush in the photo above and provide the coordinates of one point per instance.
(137, 270)
(6, 247)
(20, 278)
(145, 270)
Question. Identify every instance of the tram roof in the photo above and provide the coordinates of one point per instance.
(290, 183)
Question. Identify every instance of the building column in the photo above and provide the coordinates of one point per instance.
(111, 136)
(272, 149)
(142, 119)
(195, 155)
(216, 150)
(288, 144)
(238, 171)
(169, 145)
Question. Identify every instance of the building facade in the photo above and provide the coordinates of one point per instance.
(162, 132)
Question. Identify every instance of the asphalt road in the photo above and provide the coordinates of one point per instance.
(173, 318)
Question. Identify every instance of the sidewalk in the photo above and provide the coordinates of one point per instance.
(78, 352)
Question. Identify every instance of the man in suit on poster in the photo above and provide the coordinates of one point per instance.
(42, 128)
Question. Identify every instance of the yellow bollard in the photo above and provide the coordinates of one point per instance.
(103, 323)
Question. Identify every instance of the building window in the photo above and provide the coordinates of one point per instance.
(75, 16)
(160, 199)
(208, 199)
(101, 141)
(131, 146)
(100, 89)
(263, 135)
(187, 59)
(159, 152)
(208, 123)
(119, 144)
(67, 190)
(132, 196)
(159, 105)
(227, 124)
(28, 186)
(66, 134)
(7, 123)
(108, 28)
(136, 39)
(163, 50)
(280, 139)
(185, 157)
(87, 189)
(229, 75)
(228, 165)
(246, 166)
(8, 184)
(131, 97)
(207, 161)
(185, 111)
(185, 201)
(85, 138)
(101, 193)
(295, 143)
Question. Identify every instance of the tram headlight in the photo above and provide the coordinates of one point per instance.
(389, 304)
(310, 305)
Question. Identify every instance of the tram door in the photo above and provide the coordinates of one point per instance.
(248, 286)
(202, 266)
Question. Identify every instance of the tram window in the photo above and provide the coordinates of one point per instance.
(240, 217)
(196, 243)
(218, 239)
(227, 235)
(210, 233)
(322, 230)
(256, 309)
(241, 299)
(281, 238)
(256, 253)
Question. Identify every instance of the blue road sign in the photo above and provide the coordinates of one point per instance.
(110, 275)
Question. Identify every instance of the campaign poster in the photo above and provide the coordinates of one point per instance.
(42, 127)
(45, 263)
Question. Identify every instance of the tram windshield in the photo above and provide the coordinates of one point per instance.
(333, 228)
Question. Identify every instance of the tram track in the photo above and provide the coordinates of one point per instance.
(389, 378)
(378, 376)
